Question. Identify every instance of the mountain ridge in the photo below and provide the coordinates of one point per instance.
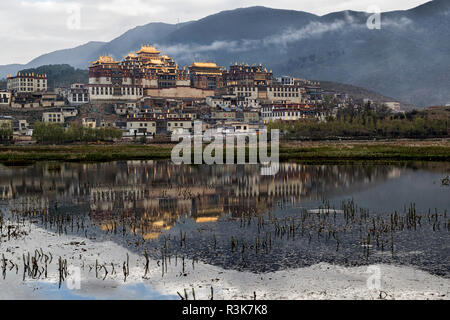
(407, 59)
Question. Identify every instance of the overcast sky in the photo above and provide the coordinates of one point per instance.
(30, 28)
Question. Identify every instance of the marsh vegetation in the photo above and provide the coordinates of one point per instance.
(174, 220)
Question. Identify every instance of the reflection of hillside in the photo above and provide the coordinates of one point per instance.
(156, 194)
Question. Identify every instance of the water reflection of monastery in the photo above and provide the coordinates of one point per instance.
(156, 194)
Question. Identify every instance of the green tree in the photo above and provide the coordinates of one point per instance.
(6, 132)
(55, 133)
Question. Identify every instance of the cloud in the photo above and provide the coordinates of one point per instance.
(131, 8)
(193, 51)
(313, 29)
(281, 41)
(34, 27)
(399, 24)
(30, 28)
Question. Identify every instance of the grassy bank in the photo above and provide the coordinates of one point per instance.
(365, 152)
(81, 153)
(306, 152)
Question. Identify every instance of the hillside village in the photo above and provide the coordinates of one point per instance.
(148, 95)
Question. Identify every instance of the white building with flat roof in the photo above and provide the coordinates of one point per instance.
(27, 83)
(78, 94)
(394, 106)
(53, 117)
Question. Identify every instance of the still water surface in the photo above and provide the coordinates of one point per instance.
(232, 217)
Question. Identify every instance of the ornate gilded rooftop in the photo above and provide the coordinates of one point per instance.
(105, 59)
(27, 75)
(154, 61)
(205, 65)
(148, 49)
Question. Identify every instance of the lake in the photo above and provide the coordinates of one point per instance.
(152, 229)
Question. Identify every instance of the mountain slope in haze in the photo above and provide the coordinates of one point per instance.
(60, 75)
(76, 56)
(81, 56)
(5, 70)
(407, 59)
(132, 40)
(358, 93)
(244, 23)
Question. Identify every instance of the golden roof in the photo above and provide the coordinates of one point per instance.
(105, 59)
(148, 49)
(204, 65)
(209, 73)
(154, 61)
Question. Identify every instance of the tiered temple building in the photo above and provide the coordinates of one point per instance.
(147, 72)
(127, 79)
